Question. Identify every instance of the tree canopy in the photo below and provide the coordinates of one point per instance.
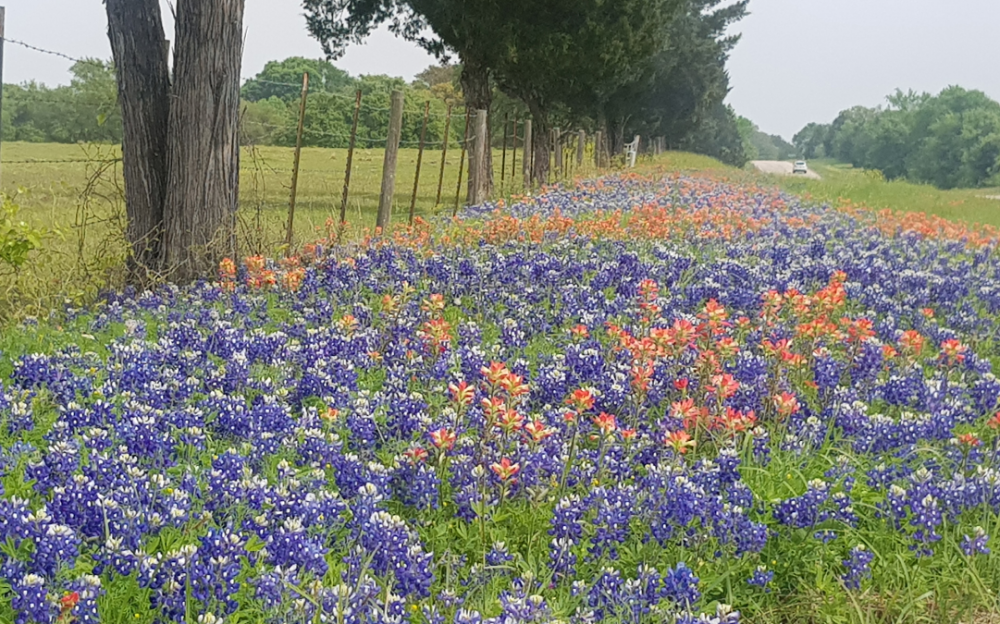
(949, 140)
(86, 110)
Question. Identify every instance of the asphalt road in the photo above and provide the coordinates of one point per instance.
(780, 167)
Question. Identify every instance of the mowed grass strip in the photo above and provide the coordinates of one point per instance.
(865, 188)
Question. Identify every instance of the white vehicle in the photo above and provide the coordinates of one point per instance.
(800, 167)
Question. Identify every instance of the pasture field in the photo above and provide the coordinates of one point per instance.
(686, 398)
(80, 203)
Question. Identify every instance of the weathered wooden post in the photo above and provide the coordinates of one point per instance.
(444, 154)
(581, 144)
(350, 159)
(557, 148)
(503, 162)
(478, 179)
(384, 217)
(598, 138)
(529, 152)
(461, 160)
(513, 158)
(420, 159)
(295, 167)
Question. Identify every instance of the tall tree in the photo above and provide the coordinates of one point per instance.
(204, 147)
(181, 141)
(685, 84)
(135, 29)
(574, 53)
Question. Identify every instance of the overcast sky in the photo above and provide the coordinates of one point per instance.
(798, 61)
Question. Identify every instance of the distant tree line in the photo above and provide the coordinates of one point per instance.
(653, 68)
(951, 140)
(85, 110)
(759, 145)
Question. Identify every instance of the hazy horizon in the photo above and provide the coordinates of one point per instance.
(797, 61)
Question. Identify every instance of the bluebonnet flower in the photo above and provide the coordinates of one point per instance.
(857, 566)
(680, 585)
(31, 601)
(761, 577)
(976, 545)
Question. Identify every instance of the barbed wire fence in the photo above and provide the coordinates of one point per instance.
(341, 191)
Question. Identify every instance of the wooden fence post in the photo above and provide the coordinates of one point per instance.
(581, 144)
(598, 137)
(557, 148)
(478, 178)
(350, 159)
(420, 158)
(384, 217)
(513, 159)
(444, 154)
(295, 167)
(503, 162)
(461, 161)
(529, 151)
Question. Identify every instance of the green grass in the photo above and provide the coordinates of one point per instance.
(869, 189)
(82, 202)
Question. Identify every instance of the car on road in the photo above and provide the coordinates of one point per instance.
(800, 167)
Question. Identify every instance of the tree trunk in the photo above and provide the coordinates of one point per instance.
(479, 96)
(616, 137)
(135, 30)
(204, 165)
(541, 140)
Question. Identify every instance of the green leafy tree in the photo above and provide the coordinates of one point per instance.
(267, 122)
(86, 110)
(575, 54)
(949, 140)
(808, 142)
(283, 79)
(718, 135)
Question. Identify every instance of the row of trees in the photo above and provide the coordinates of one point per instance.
(655, 67)
(950, 140)
(762, 146)
(271, 105)
(651, 67)
(85, 110)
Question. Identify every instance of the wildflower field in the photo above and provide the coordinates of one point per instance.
(665, 399)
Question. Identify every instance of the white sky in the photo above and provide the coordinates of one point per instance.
(799, 60)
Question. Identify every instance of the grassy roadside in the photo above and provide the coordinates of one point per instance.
(842, 182)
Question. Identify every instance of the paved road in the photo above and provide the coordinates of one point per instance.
(780, 167)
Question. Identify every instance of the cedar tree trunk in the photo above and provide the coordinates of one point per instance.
(204, 165)
(541, 141)
(140, 55)
(479, 96)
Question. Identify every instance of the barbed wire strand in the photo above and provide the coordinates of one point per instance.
(62, 162)
(41, 50)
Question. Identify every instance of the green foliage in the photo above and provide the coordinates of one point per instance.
(680, 93)
(17, 238)
(86, 110)
(951, 140)
(282, 80)
(808, 142)
(329, 114)
(718, 136)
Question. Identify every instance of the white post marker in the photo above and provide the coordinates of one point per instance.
(631, 151)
